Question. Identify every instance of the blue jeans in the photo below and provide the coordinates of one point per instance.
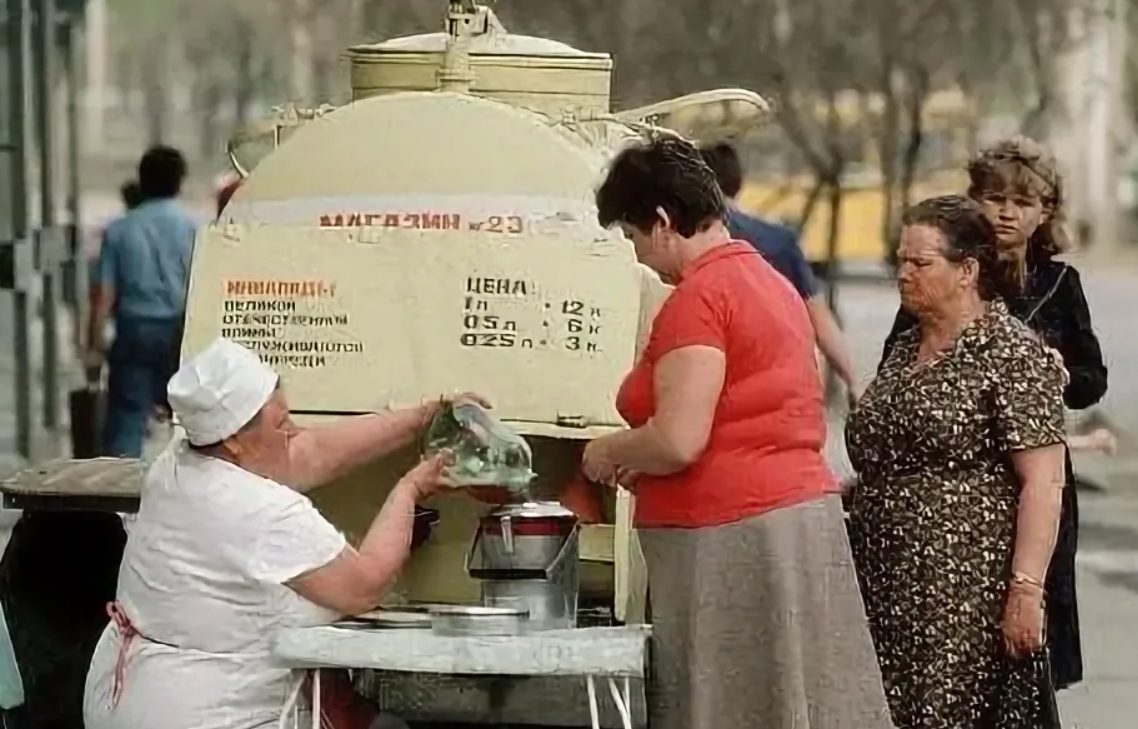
(141, 362)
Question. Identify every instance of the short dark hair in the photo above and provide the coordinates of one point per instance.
(161, 172)
(724, 161)
(131, 194)
(666, 173)
(968, 235)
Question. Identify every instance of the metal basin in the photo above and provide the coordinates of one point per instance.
(462, 620)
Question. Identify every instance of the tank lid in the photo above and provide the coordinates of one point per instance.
(487, 44)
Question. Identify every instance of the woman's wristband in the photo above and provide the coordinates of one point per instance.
(1022, 579)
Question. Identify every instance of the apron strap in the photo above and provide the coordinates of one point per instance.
(127, 634)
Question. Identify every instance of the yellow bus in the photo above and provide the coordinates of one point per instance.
(779, 182)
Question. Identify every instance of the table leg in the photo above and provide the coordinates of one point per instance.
(317, 702)
(289, 712)
(594, 713)
(623, 705)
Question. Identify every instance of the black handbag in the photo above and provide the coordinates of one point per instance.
(87, 408)
(1048, 704)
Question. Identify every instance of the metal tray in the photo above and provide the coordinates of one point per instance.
(388, 620)
(457, 620)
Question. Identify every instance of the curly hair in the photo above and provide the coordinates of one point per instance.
(1021, 165)
(667, 173)
(968, 234)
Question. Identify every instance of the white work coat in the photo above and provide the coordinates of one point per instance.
(202, 581)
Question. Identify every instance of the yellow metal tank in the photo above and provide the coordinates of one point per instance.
(439, 234)
(536, 73)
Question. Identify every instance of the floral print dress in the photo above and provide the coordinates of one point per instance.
(932, 520)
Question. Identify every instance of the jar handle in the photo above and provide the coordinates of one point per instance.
(507, 535)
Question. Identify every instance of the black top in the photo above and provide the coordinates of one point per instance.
(1055, 306)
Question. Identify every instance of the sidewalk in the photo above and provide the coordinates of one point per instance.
(1108, 606)
(1108, 699)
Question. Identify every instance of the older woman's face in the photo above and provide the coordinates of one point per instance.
(928, 282)
(263, 446)
(1015, 216)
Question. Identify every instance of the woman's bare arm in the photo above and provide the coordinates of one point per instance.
(688, 383)
(357, 580)
(1042, 471)
(322, 454)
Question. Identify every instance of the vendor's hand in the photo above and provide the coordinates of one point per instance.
(597, 464)
(1023, 619)
(432, 407)
(463, 398)
(853, 393)
(429, 477)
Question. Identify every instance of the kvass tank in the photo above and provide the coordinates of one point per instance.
(439, 234)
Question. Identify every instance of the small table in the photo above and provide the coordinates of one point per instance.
(76, 484)
(615, 654)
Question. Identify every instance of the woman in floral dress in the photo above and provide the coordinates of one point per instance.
(958, 444)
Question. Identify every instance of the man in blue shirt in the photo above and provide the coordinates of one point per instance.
(140, 283)
(779, 246)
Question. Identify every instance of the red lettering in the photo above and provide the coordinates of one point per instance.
(355, 220)
(372, 218)
(236, 288)
(391, 221)
(411, 220)
(325, 221)
(451, 222)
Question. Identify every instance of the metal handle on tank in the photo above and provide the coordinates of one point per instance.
(700, 98)
(567, 546)
(507, 535)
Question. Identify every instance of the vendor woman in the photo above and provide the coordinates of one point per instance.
(227, 550)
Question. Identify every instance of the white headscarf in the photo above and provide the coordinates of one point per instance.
(219, 391)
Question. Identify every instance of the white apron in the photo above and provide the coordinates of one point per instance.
(201, 594)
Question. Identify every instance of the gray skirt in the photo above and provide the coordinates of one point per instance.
(760, 624)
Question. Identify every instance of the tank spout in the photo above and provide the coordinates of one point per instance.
(465, 20)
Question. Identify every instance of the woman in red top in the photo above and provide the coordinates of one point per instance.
(756, 613)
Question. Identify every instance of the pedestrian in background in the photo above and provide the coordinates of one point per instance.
(779, 246)
(140, 285)
(958, 444)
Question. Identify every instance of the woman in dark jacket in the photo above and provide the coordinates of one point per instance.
(1020, 189)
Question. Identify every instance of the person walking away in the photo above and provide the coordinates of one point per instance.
(779, 246)
(756, 616)
(141, 285)
(131, 196)
(1019, 188)
(958, 447)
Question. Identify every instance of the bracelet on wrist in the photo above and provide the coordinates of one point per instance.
(1022, 579)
